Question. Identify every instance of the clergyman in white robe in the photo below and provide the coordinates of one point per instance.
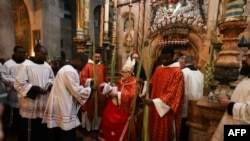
(8, 74)
(32, 80)
(31, 74)
(193, 80)
(240, 112)
(66, 97)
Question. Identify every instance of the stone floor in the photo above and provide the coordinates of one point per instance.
(81, 135)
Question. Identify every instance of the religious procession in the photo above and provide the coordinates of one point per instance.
(124, 70)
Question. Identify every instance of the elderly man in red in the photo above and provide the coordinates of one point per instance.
(116, 115)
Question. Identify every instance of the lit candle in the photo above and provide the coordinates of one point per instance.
(106, 16)
(130, 1)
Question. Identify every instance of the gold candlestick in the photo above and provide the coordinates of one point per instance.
(101, 27)
(79, 19)
(106, 20)
(86, 19)
(80, 39)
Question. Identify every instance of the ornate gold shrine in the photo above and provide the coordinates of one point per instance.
(179, 27)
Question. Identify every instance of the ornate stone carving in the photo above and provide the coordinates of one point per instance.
(213, 112)
(175, 14)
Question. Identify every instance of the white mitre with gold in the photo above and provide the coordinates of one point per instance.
(129, 65)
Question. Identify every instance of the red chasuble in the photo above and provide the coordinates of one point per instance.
(88, 72)
(115, 119)
(168, 85)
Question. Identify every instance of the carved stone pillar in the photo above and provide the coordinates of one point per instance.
(227, 64)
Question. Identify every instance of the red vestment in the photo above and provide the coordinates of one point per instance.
(167, 83)
(115, 122)
(88, 72)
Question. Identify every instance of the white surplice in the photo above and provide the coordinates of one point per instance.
(32, 74)
(193, 81)
(8, 75)
(241, 109)
(65, 99)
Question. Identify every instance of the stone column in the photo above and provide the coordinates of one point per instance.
(227, 65)
(50, 27)
(7, 38)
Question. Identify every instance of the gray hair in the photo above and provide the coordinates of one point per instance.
(189, 60)
(182, 58)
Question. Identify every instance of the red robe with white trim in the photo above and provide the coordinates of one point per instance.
(88, 72)
(167, 83)
(115, 123)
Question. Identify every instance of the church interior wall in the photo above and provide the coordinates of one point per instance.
(22, 25)
(45, 21)
(35, 18)
(66, 39)
(51, 27)
(7, 38)
(123, 32)
(45, 17)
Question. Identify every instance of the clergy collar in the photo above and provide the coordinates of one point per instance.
(36, 61)
(191, 67)
(92, 62)
(174, 64)
(18, 61)
(74, 66)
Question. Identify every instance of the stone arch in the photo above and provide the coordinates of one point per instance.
(194, 47)
(22, 25)
(30, 5)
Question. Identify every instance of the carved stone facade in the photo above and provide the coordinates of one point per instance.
(191, 27)
(211, 112)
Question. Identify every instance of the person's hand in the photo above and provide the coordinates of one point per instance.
(113, 93)
(94, 87)
(140, 81)
(9, 83)
(91, 82)
(139, 112)
(49, 87)
(43, 91)
(148, 102)
(224, 101)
